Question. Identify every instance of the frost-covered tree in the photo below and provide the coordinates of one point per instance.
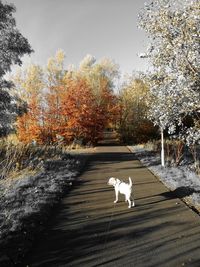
(12, 47)
(173, 28)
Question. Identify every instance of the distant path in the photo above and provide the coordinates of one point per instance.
(89, 230)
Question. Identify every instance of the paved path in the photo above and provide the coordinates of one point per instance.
(89, 230)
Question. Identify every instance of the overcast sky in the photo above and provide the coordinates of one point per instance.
(102, 28)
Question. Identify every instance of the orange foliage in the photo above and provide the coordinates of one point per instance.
(28, 125)
(71, 111)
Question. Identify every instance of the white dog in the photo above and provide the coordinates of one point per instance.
(123, 188)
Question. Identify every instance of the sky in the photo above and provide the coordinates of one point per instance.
(102, 28)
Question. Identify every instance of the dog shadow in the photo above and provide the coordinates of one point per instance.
(180, 192)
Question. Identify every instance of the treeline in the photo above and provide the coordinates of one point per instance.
(64, 105)
(59, 104)
(70, 104)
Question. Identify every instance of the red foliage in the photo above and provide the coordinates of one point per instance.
(71, 111)
(28, 125)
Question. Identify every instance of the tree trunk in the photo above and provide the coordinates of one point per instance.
(162, 149)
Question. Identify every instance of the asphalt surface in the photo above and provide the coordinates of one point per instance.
(90, 230)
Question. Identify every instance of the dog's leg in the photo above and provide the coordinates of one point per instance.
(128, 199)
(133, 204)
(129, 203)
(116, 195)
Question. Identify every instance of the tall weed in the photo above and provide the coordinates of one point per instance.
(16, 157)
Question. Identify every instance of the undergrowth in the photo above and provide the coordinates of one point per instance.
(16, 158)
(177, 153)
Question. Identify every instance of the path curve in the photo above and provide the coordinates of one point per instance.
(89, 230)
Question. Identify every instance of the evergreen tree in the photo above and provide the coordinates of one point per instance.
(12, 47)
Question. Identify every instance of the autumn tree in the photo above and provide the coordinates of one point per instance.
(101, 76)
(29, 82)
(83, 103)
(55, 70)
(54, 77)
(12, 47)
(29, 126)
(67, 104)
(134, 125)
(39, 88)
(87, 117)
(29, 86)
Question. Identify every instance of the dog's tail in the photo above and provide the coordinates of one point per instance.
(130, 182)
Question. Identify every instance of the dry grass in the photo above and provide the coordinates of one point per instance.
(17, 158)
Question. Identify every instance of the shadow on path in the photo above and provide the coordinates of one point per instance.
(89, 230)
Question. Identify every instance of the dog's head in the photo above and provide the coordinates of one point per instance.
(113, 181)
